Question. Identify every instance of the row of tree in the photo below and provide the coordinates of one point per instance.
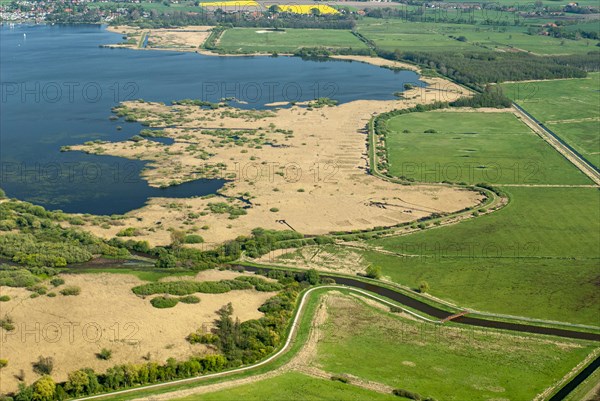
(237, 18)
(237, 343)
(86, 381)
(476, 69)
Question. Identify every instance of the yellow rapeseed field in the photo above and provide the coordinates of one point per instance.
(307, 9)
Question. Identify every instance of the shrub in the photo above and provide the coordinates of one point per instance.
(44, 365)
(341, 379)
(202, 338)
(163, 302)
(262, 285)
(193, 239)
(274, 209)
(38, 289)
(51, 294)
(188, 287)
(57, 281)
(71, 290)
(4, 298)
(7, 323)
(373, 271)
(128, 232)
(190, 299)
(166, 261)
(3, 363)
(105, 354)
(407, 394)
(423, 287)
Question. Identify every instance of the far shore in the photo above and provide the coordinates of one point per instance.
(124, 30)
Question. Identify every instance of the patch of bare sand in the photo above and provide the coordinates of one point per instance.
(72, 329)
(316, 180)
(188, 38)
(381, 62)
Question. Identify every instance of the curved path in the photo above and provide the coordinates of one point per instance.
(360, 287)
(286, 346)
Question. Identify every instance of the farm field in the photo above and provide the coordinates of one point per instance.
(250, 40)
(405, 35)
(524, 259)
(568, 107)
(293, 386)
(474, 147)
(308, 8)
(525, 3)
(366, 342)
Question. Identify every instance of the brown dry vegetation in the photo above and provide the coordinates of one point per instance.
(307, 167)
(72, 329)
(188, 38)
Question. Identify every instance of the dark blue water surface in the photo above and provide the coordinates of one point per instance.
(58, 87)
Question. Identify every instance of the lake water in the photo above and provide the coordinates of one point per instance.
(58, 87)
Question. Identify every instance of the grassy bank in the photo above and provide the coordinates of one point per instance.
(366, 342)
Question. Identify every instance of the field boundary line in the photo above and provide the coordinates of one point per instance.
(558, 144)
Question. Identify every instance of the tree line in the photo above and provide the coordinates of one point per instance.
(236, 343)
(476, 69)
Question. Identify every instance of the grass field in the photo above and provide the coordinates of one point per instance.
(293, 386)
(474, 147)
(392, 34)
(443, 362)
(249, 40)
(568, 107)
(536, 257)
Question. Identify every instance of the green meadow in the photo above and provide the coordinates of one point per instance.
(293, 386)
(250, 40)
(392, 34)
(471, 147)
(569, 107)
(537, 257)
(446, 363)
